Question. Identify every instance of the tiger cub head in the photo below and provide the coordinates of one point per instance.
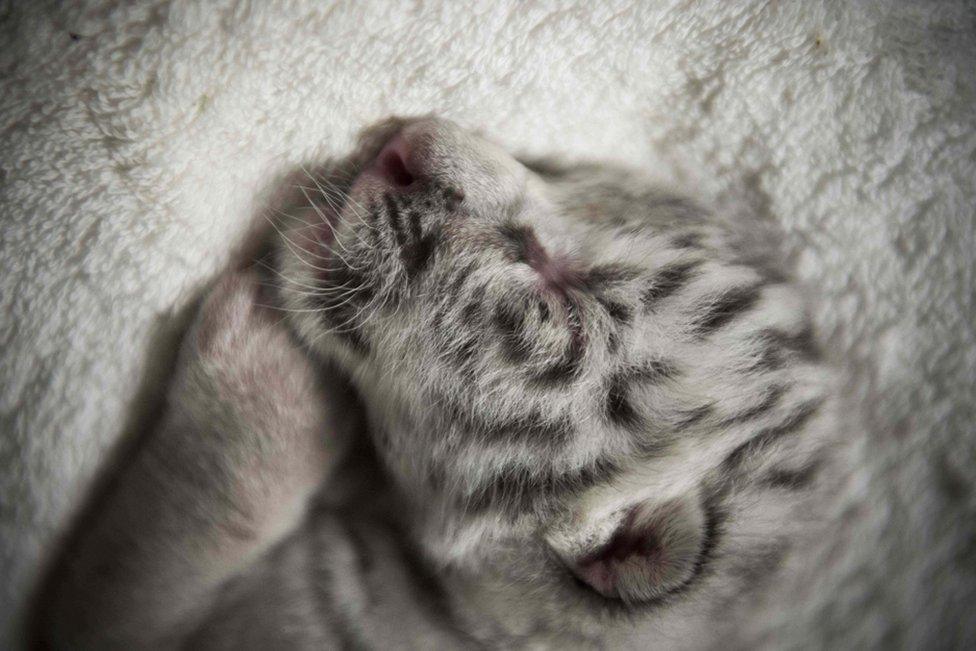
(583, 385)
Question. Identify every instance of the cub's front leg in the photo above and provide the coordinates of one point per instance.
(249, 433)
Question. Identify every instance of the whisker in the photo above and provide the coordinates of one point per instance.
(319, 244)
(357, 209)
(292, 245)
(317, 290)
(345, 198)
(325, 220)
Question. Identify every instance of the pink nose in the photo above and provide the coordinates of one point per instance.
(394, 165)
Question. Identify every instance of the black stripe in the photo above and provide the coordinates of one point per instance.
(770, 399)
(435, 478)
(950, 479)
(511, 326)
(393, 216)
(473, 312)
(342, 281)
(566, 369)
(532, 428)
(768, 436)
(522, 245)
(601, 277)
(618, 407)
(417, 256)
(574, 321)
(693, 416)
(792, 478)
(413, 218)
(562, 372)
(667, 281)
(437, 320)
(355, 340)
(518, 489)
(688, 241)
(372, 221)
(544, 313)
(803, 344)
(655, 370)
(678, 207)
(722, 310)
(619, 312)
(715, 519)
(341, 306)
(770, 358)
(449, 288)
(452, 198)
(779, 347)
(462, 276)
(465, 350)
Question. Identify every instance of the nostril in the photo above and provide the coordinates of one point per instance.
(393, 167)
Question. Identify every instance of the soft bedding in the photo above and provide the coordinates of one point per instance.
(140, 142)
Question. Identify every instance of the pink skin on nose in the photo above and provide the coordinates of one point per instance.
(392, 163)
(392, 167)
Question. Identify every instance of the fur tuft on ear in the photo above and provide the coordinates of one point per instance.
(652, 551)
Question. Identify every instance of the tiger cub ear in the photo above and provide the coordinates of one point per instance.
(640, 553)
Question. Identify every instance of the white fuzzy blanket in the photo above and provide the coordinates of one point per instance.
(138, 142)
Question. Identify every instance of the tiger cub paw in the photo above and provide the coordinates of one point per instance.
(242, 375)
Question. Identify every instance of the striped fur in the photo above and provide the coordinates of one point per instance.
(590, 423)
(575, 332)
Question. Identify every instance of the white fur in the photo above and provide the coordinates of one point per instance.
(135, 159)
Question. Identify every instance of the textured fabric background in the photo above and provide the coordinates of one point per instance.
(139, 142)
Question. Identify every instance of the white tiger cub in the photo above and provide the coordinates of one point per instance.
(598, 419)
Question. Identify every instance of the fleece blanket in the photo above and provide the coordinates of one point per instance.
(140, 140)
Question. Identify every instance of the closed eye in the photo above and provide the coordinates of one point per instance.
(522, 245)
(546, 167)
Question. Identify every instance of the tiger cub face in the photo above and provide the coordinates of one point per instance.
(580, 383)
